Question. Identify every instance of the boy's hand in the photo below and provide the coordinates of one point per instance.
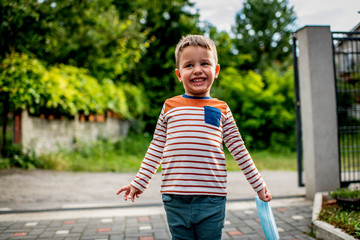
(130, 192)
(264, 195)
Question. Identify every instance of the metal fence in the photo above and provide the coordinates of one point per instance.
(346, 49)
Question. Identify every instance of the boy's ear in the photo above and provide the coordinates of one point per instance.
(217, 70)
(178, 74)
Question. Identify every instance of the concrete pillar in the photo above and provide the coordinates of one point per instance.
(318, 109)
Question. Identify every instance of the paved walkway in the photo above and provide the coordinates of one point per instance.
(292, 216)
(143, 220)
(41, 189)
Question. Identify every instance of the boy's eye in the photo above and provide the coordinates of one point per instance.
(205, 64)
(188, 65)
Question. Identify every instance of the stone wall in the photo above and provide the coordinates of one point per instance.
(50, 135)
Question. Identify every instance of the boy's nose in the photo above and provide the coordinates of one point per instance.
(197, 68)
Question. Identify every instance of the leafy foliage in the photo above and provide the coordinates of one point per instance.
(345, 193)
(85, 34)
(122, 156)
(263, 29)
(228, 55)
(21, 78)
(346, 219)
(344, 213)
(15, 157)
(73, 56)
(165, 22)
(263, 106)
(20, 27)
(65, 89)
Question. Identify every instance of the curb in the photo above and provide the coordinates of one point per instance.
(322, 229)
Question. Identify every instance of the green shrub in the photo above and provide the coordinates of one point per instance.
(65, 89)
(343, 218)
(17, 157)
(20, 78)
(262, 105)
(345, 193)
(344, 214)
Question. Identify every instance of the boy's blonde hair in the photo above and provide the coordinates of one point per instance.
(197, 41)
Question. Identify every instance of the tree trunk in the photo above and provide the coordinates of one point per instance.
(5, 112)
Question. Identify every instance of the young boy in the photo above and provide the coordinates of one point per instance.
(188, 143)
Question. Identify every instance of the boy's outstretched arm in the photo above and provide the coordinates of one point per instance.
(130, 192)
(264, 194)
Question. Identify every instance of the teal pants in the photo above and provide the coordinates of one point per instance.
(195, 217)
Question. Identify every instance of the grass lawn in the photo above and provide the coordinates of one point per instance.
(266, 160)
(126, 156)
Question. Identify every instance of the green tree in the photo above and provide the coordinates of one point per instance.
(20, 86)
(165, 22)
(227, 53)
(262, 105)
(19, 26)
(64, 90)
(86, 39)
(95, 37)
(86, 34)
(263, 29)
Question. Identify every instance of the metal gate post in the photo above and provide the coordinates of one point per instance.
(298, 115)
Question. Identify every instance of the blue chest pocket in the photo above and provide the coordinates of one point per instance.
(212, 115)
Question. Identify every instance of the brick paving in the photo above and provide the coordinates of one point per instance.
(293, 222)
(145, 221)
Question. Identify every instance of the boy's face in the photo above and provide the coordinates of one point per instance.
(197, 71)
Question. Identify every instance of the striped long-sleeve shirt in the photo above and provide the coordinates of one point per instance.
(188, 143)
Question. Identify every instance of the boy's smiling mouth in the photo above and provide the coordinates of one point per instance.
(198, 80)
